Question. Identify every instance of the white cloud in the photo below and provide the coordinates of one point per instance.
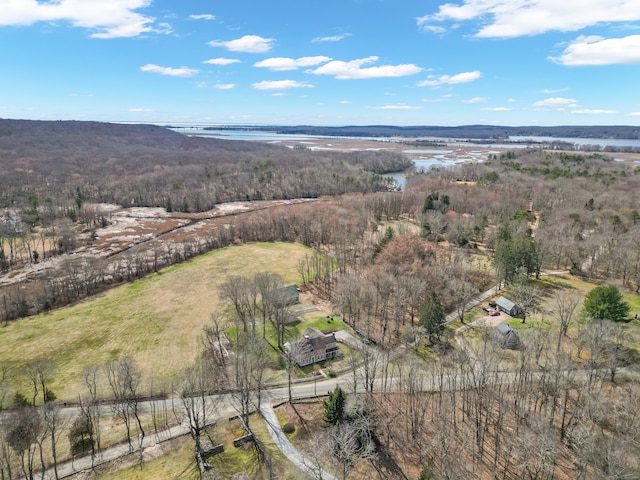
(496, 109)
(163, 28)
(140, 110)
(280, 85)
(247, 44)
(279, 64)
(511, 100)
(203, 16)
(434, 29)
(634, 114)
(333, 38)
(170, 71)
(354, 70)
(465, 77)
(593, 112)
(221, 61)
(345, 102)
(514, 18)
(554, 90)
(443, 98)
(594, 50)
(475, 100)
(396, 107)
(224, 86)
(107, 18)
(556, 102)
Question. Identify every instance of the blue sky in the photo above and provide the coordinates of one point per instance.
(329, 62)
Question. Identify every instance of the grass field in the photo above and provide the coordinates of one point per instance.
(157, 320)
(175, 459)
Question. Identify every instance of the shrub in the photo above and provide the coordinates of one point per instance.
(289, 428)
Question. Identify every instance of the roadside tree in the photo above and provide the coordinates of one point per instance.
(564, 304)
(606, 302)
(432, 316)
(524, 294)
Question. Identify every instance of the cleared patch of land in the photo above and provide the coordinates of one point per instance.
(156, 320)
(175, 459)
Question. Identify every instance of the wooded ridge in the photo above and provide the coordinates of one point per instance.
(147, 165)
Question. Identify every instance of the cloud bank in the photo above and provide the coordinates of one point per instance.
(107, 18)
(355, 69)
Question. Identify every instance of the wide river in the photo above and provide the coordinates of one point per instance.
(514, 141)
(447, 153)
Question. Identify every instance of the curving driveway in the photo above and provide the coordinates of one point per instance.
(287, 447)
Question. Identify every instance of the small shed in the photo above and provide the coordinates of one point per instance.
(507, 336)
(290, 318)
(508, 307)
(289, 295)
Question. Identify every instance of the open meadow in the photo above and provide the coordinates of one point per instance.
(156, 320)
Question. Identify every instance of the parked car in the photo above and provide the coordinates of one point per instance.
(486, 309)
(493, 304)
(494, 313)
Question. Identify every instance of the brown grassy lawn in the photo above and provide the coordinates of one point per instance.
(157, 320)
(169, 460)
(174, 459)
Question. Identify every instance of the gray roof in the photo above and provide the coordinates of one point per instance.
(504, 329)
(507, 336)
(288, 295)
(317, 339)
(505, 303)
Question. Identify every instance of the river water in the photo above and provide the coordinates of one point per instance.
(459, 150)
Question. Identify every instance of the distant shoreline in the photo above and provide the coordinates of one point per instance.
(470, 132)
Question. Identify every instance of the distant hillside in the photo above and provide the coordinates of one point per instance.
(480, 132)
(147, 165)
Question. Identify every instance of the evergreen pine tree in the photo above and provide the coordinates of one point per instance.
(334, 407)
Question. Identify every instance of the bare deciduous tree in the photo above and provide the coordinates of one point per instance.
(54, 424)
(564, 304)
(462, 292)
(248, 365)
(193, 392)
(39, 373)
(124, 378)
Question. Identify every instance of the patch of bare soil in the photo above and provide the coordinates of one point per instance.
(129, 228)
(487, 321)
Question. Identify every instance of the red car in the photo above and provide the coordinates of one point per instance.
(494, 313)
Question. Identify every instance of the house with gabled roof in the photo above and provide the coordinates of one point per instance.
(507, 306)
(314, 346)
(507, 336)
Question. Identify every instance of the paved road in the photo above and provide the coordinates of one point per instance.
(81, 464)
(291, 452)
(224, 408)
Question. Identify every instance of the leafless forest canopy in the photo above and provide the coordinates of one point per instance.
(390, 263)
(142, 165)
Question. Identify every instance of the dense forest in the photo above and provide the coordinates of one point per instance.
(63, 163)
